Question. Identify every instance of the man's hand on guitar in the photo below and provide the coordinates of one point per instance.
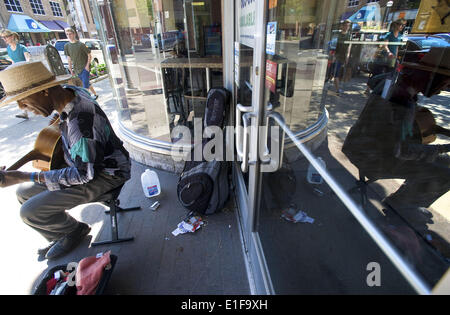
(53, 119)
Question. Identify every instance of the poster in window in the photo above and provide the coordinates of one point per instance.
(433, 17)
(271, 75)
(271, 38)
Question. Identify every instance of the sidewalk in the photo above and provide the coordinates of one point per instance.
(209, 261)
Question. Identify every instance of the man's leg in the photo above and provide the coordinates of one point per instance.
(337, 76)
(85, 76)
(424, 184)
(45, 211)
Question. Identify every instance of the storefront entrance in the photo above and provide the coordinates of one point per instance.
(298, 74)
(285, 82)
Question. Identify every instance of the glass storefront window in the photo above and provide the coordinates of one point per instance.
(166, 55)
(364, 84)
(381, 70)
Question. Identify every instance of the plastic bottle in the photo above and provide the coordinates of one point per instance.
(150, 183)
(313, 175)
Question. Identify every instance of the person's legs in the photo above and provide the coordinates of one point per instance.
(424, 184)
(337, 75)
(84, 77)
(45, 211)
(91, 88)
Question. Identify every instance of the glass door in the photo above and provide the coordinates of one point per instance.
(248, 88)
(344, 199)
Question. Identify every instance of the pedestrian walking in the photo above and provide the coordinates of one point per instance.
(79, 59)
(17, 52)
(340, 55)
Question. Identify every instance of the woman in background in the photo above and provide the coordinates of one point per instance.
(17, 52)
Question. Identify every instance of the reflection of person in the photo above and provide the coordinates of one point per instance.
(386, 56)
(17, 52)
(384, 142)
(341, 54)
(79, 56)
(393, 38)
(97, 161)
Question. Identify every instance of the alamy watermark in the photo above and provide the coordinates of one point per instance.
(214, 143)
(374, 277)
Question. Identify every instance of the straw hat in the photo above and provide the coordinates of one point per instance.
(437, 60)
(23, 79)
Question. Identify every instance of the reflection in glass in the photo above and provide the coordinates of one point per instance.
(387, 93)
(168, 56)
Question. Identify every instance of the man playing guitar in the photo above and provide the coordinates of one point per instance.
(96, 161)
(385, 142)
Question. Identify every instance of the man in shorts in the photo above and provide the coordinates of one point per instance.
(79, 59)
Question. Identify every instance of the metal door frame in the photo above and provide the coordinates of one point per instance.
(248, 200)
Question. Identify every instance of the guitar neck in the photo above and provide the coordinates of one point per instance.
(30, 156)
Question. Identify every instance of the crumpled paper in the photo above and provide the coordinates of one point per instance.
(296, 216)
(190, 226)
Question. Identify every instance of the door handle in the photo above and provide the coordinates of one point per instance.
(246, 119)
(242, 134)
(272, 159)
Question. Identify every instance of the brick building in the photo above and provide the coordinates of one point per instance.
(21, 16)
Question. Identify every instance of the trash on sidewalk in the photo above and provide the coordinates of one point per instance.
(318, 192)
(296, 216)
(155, 205)
(191, 225)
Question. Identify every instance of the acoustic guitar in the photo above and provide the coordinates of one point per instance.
(425, 126)
(47, 153)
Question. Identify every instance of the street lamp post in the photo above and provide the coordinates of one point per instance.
(389, 4)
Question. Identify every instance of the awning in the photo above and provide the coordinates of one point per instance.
(51, 25)
(24, 24)
(346, 15)
(368, 13)
(63, 24)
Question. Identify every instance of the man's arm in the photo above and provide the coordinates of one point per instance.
(88, 64)
(9, 178)
(69, 62)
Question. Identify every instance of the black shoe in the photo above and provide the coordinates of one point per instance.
(23, 116)
(95, 97)
(68, 242)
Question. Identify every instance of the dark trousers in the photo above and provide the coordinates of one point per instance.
(424, 183)
(45, 211)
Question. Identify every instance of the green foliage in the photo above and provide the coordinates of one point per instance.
(98, 69)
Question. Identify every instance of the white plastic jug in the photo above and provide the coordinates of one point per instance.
(313, 175)
(150, 183)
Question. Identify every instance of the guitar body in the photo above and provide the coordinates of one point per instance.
(425, 127)
(47, 153)
(425, 123)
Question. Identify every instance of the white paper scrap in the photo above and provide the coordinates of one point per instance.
(191, 226)
(299, 216)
